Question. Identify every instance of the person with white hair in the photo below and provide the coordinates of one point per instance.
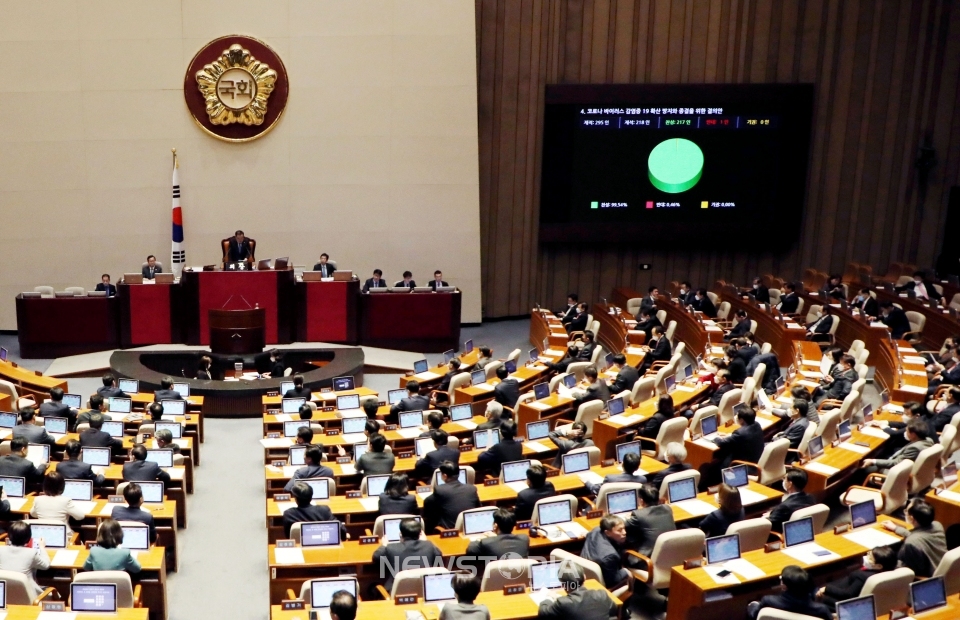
(676, 455)
(494, 415)
(580, 603)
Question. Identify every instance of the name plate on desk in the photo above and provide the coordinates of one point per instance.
(278, 463)
(342, 460)
(291, 605)
(272, 393)
(273, 435)
(286, 543)
(53, 606)
(524, 525)
(449, 533)
(381, 403)
(273, 411)
(390, 427)
(354, 494)
(594, 514)
(281, 497)
(607, 462)
(325, 390)
(514, 589)
(695, 563)
(369, 540)
(603, 416)
(424, 489)
(840, 529)
(332, 432)
(329, 409)
(405, 455)
(553, 473)
(116, 499)
(466, 447)
(405, 599)
(491, 482)
(771, 547)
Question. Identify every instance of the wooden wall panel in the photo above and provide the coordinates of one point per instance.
(887, 76)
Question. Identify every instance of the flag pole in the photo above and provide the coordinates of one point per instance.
(178, 255)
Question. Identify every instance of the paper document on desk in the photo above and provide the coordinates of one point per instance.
(289, 555)
(348, 470)
(705, 443)
(16, 503)
(686, 388)
(553, 352)
(409, 433)
(893, 408)
(517, 486)
(540, 406)
(107, 509)
(284, 506)
(913, 389)
(748, 497)
(176, 473)
(279, 442)
(542, 595)
(695, 507)
(877, 324)
(535, 446)
(794, 326)
(588, 477)
(467, 424)
(714, 570)
(624, 420)
(811, 374)
(62, 615)
(871, 538)
(86, 507)
(914, 359)
(810, 553)
(874, 432)
(486, 387)
(564, 392)
(289, 470)
(64, 557)
(353, 437)
(809, 384)
(953, 496)
(820, 468)
(283, 417)
(370, 503)
(846, 445)
(635, 351)
(745, 568)
(766, 423)
(426, 376)
(915, 373)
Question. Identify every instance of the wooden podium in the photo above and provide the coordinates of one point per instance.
(237, 332)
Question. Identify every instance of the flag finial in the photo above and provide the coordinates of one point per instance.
(176, 161)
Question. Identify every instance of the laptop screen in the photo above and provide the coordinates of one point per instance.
(3, 354)
(461, 477)
(8, 420)
(478, 522)
(708, 424)
(511, 366)
(679, 490)
(621, 501)
(687, 371)
(927, 594)
(538, 430)
(669, 382)
(461, 412)
(615, 406)
(114, 429)
(354, 425)
(174, 407)
(38, 453)
(12, 486)
(128, 386)
(120, 405)
(395, 396)
(867, 413)
(285, 386)
(391, 528)
(290, 428)
(438, 588)
(541, 391)
(570, 380)
(515, 471)
(468, 346)
(359, 449)
(350, 401)
(292, 405)
(815, 447)
(486, 438)
(78, 490)
(152, 491)
(843, 430)
(448, 355)
(98, 597)
(95, 456)
(864, 513)
(296, 453)
(376, 484)
(576, 462)
(630, 447)
(175, 428)
(183, 389)
(798, 532)
(162, 457)
(72, 400)
(322, 590)
(736, 476)
(53, 535)
(424, 445)
(411, 419)
(477, 377)
(341, 384)
(545, 575)
(534, 354)
(420, 366)
(554, 512)
(135, 537)
(320, 534)
(58, 425)
(723, 548)
(862, 608)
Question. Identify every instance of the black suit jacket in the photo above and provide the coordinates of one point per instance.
(139, 515)
(309, 513)
(707, 307)
(406, 505)
(718, 393)
(577, 323)
(94, 438)
(403, 555)
(897, 321)
(527, 499)
(672, 468)
(646, 326)
(762, 294)
(745, 443)
(237, 252)
(788, 602)
(433, 284)
(19, 467)
(789, 303)
(432, 460)
(647, 303)
(737, 369)
(868, 306)
(51, 409)
(411, 403)
(567, 313)
(136, 471)
(411, 284)
(595, 391)
(111, 392)
(166, 395)
(293, 393)
(496, 547)
(943, 418)
(651, 428)
(581, 604)
(78, 470)
(149, 273)
(447, 501)
(847, 587)
(661, 351)
(739, 329)
(326, 270)
(646, 524)
(507, 392)
(371, 283)
(110, 289)
(787, 507)
(503, 452)
(627, 377)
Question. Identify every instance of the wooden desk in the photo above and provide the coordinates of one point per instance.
(701, 451)
(327, 311)
(501, 607)
(29, 382)
(6, 402)
(422, 322)
(59, 326)
(323, 399)
(939, 324)
(30, 612)
(947, 510)
(149, 314)
(549, 407)
(779, 334)
(689, 588)
(432, 378)
(526, 376)
(544, 324)
(616, 329)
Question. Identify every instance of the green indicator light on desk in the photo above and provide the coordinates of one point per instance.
(675, 165)
(594, 205)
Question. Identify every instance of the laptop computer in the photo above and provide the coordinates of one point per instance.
(448, 355)
(58, 425)
(53, 534)
(135, 537)
(78, 490)
(152, 491)
(411, 419)
(461, 477)
(679, 490)
(927, 595)
(616, 406)
(570, 380)
(391, 528)
(515, 471)
(359, 449)
(162, 457)
(576, 462)
(468, 346)
(286, 386)
(479, 522)
(538, 430)
(164, 278)
(97, 457)
(353, 425)
(670, 383)
(483, 439)
(620, 502)
(815, 447)
(13, 486)
(38, 453)
(736, 476)
(376, 484)
(320, 534)
(322, 590)
(545, 575)
(860, 608)
(119, 405)
(343, 275)
(348, 402)
(291, 428)
(183, 389)
(552, 513)
(395, 396)
(114, 429)
(843, 430)
(74, 401)
(511, 366)
(174, 407)
(438, 587)
(863, 514)
(723, 548)
(320, 486)
(478, 376)
(291, 405)
(342, 384)
(798, 532)
(3, 354)
(630, 447)
(534, 354)
(8, 420)
(175, 428)
(423, 445)
(541, 391)
(461, 412)
(709, 425)
(420, 366)
(94, 597)
(295, 455)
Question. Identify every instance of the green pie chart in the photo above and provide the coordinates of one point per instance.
(675, 165)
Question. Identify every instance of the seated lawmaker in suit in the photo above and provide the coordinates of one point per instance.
(438, 281)
(924, 544)
(741, 327)
(507, 392)
(55, 408)
(596, 388)
(411, 552)
(894, 318)
(431, 461)
(110, 389)
(442, 507)
(743, 444)
(96, 437)
(538, 487)
(648, 522)
(413, 401)
(396, 498)
(578, 322)
(702, 303)
(376, 281)
(837, 384)
(631, 463)
(503, 543)
(646, 320)
(917, 435)
(313, 467)
(151, 269)
(819, 330)
(133, 495)
(676, 455)
(453, 368)
(508, 449)
(723, 385)
(659, 350)
(28, 429)
(730, 511)
(105, 286)
(298, 390)
(866, 303)
(139, 469)
(685, 295)
(760, 292)
(376, 460)
(580, 603)
(72, 468)
(665, 411)
(605, 545)
(495, 415)
(649, 302)
(922, 288)
(797, 427)
(627, 376)
(17, 465)
(789, 300)
(573, 438)
(878, 560)
(166, 391)
(306, 511)
(466, 587)
(239, 249)
(204, 368)
(434, 422)
(795, 498)
(570, 310)
(797, 597)
(407, 282)
(325, 268)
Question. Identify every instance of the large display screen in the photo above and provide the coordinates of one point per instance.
(667, 164)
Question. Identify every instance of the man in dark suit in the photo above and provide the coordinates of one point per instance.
(797, 597)
(568, 313)
(917, 435)
(431, 461)
(595, 390)
(648, 522)
(407, 282)
(580, 603)
(789, 301)
(572, 438)
(437, 281)
(646, 320)
(95, 437)
(627, 376)
(306, 511)
(685, 295)
(741, 327)
(453, 368)
(538, 488)
(105, 286)
(604, 545)
(413, 402)
(797, 427)
(239, 249)
(876, 561)
(650, 301)
(922, 288)
(132, 511)
(867, 304)
(54, 408)
(313, 467)
(760, 292)
(819, 330)
(503, 543)
(410, 552)
(735, 365)
(507, 392)
(836, 386)
(745, 443)
(676, 455)
(442, 507)
(795, 499)
(325, 268)
(578, 321)
(72, 468)
(28, 429)
(298, 390)
(140, 469)
(631, 463)
(376, 281)
(724, 385)
(16, 464)
(166, 391)
(943, 417)
(894, 318)
(769, 379)
(702, 303)
(151, 269)
(660, 351)
(110, 389)
(508, 449)
(494, 413)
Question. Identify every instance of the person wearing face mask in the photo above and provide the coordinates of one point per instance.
(789, 300)
(897, 430)
(924, 543)
(837, 386)
(834, 288)
(797, 428)
(895, 319)
(660, 350)
(796, 498)
(918, 439)
(741, 327)
(819, 330)
(743, 444)
(646, 320)
(702, 303)
(922, 287)
(685, 295)
(878, 560)
(570, 311)
(866, 303)
(760, 292)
